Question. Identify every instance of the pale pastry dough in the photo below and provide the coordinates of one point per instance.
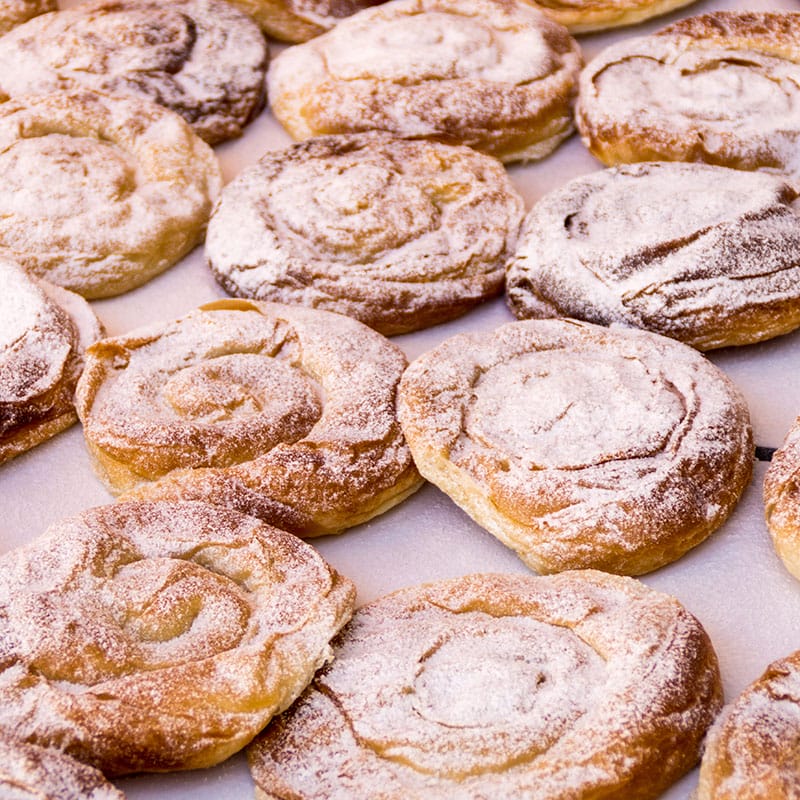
(579, 446)
(400, 234)
(204, 59)
(704, 254)
(722, 87)
(497, 76)
(571, 687)
(100, 193)
(160, 636)
(753, 749)
(586, 16)
(282, 412)
(15, 12)
(44, 331)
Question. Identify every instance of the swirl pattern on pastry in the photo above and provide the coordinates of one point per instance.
(496, 75)
(753, 749)
(722, 87)
(586, 16)
(15, 12)
(579, 446)
(29, 772)
(100, 193)
(570, 687)
(400, 234)
(282, 412)
(44, 331)
(160, 636)
(703, 254)
(203, 59)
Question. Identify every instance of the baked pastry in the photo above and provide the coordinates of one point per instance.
(15, 12)
(204, 59)
(496, 75)
(722, 87)
(160, 636)
(282, 412)
(43, 333)
(29, 772)
(398, 233)
(753, 749)
(576, 686)
(705, 254)
(586, 16)
(100, 193)
(579, 446)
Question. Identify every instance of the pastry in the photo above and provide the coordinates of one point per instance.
(722, 87)
(704, 254)
(587, 16)
(15, 12)
(160, 636)
(400, 234)
(282, 412)
(100, 193)
(43, 333)
(576, 686)
(753, 749)
(204, 59)
(496, 75)
(579, 446)
(29, 772)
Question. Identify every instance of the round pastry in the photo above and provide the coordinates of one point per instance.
(15, 12)
(204, 59)
(43, 333)
(29, 772)
(753, 749)
(496, 75)
(722, 87)
(704, 254)
(579, 446)
(160, 636)
(586, 16)
(100, 193)
(576, 686)
(282, 412)
(398, 233)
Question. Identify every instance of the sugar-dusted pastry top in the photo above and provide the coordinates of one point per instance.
(580, 446)
(754, 747)
(15, 12)
(722, 87)
(99, 193)
(398, 233)
(283, 412)
(569, 687)
(160, 636)
(493, 74)
(586, 16)
(204, 59)
(705, 254)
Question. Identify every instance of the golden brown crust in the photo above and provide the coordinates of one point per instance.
(15, 12)
(497, 76)
(579, 446)
(160, 636)
(576, 686)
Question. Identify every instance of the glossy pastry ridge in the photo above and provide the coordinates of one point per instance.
(701, 253)
(579, 446)
(160, 636)
(578, 685)
(400, 234)
(497, 76)
(588, 16)
(282, 412)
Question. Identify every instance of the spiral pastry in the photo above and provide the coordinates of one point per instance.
(586, 16)
(44, 331)
(400, 234)
(576, 686)
(579, 446)
(753, 749)
(100, 193)
(160, 636)
(704, 254)
(722, 87)
(203, 59)
(29, 772)
(15, 12)
(281, 412)
(497, 76)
